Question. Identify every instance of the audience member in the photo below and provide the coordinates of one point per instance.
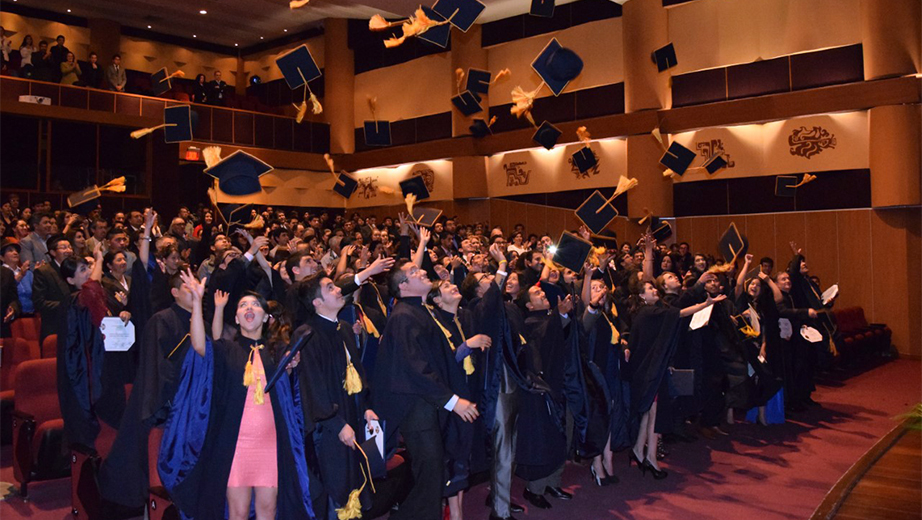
(43, 65)
(59, 55)
(70, 70)
(200, 90)
(215, 90)
(115, 75)
(25, 56)
(92, 75)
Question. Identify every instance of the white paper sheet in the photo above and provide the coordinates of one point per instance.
(830, 293)
(754, 320)
(374, 430)
(787, 330)
(117, 335)
(810, 334)
(701, 318)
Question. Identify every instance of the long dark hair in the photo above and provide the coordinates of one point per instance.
(274, 334)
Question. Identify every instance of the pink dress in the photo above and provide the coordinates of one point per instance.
(256, 457)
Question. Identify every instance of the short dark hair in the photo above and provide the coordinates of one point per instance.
(70, 265)
(397, 277)
(92, 54)
(301, 297)
(469, 287)
(109, 258)
(59, 37)
(54, 240)
(293, 261)
(116, 55)
(115, 231)
(767, 260)
(37, 217)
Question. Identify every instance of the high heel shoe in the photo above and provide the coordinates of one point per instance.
(634, 459)
(658, 474)
(599, 481)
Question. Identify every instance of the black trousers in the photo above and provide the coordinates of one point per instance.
(423, 438)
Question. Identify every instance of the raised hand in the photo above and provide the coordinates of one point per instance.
(565, 305)
(424, 235)
(220, 299)
(196, 287)
(497, 253)
(584, 232)
(748, 258)
(716, 299)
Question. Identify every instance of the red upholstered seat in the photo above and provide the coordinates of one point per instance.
(50, 347)
(28, 327)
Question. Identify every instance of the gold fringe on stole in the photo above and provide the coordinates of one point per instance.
(251, 376)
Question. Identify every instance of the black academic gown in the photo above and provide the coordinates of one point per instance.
(124, 475)
(551, 355)
(202, 492)
(731, 358)
(653, 340)
(328, 408)
(607, 406)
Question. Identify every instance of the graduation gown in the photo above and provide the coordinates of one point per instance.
(653, 340)
(200, 437)
(731, 357)
(124, 474)
(606, 405)
(328, 408)
(552, 356)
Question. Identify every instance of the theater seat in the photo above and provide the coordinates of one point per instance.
(28, 328)
(15, 351)
(861, 340)
(50, 347)
(38, 429)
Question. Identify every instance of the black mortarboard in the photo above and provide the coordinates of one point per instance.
(160, 82)
(677, 158)
(426, 216)
(660, 229)
(298, 66)
(438, 35)
(478, 81)
(715, 163)
(733, 244)
(480, 128)
(347, 184)
(664, 57)
(231, 212)
(415, 185)
(460, 13)
(784, 185)
(467, 103)
(606, 238)
(179, 124)
(238, 173)
(572, 251)
(585, 159)
(376, 464)
(588, 212)
(543, 8)
(87, 199)
(377, 133)
(557, 66)
(546, 135)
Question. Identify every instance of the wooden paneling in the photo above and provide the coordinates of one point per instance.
(100, 100)
(856, 274)
(74, 97)
(760, 230)
(535, 219)
(895, 254)
(47, 90)
(789, 227)
(705, 232)
(222, 125)
(128, 105)
(821, 238)
(498, 212)
(243, 128)
(152, 108)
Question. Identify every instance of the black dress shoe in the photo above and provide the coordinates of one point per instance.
(536, 500)
(516, 508)
(558, 493)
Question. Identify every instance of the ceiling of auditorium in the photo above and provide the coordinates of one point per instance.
(244, 22)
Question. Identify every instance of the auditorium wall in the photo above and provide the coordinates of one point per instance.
(77, 39)
(150, 56)
(263, 63)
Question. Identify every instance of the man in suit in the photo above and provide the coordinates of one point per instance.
(115, 75)
(34, 248)
(9, 296)
(215, 89)
(50, 292)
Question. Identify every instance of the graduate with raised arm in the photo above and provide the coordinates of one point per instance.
(334, 395)
(227, 442)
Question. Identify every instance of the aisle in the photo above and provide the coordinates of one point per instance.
(758, 472)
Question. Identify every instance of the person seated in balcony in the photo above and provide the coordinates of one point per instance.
(70, 70)
(25, 53)
(92, 75)
(215, 90)
(115, 75)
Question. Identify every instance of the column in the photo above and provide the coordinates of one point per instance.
(339, 85)
(890, 37)
(653, 191)
(644, 25)
(895, 148)
(466, 52)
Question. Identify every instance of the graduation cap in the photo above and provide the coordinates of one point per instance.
(733, 244)
(546, 135)
(585, 159)
(664, 57)
(298, 67)
(660, 229)
(478, 81)
(239, 173)
(377, 133)
(784, 185)
(426, 216)
(345, 184)
(557, 66)
(596, 212)
(677, 158)
(715, 164)
(481, 128)
(231, 213)
(376, 463)
(439, 34)
(542, 8)
(415, 185)
(572, 251)
(160, 80)
(177, 125)
(85, 201)
(460, 13)
(606, 238)
(467, 103)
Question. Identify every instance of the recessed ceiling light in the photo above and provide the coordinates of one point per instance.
(286, 30)
(235, 45)
(203, 12)
(260, 37)
(68, 10)
(195, 36)
(148, 27)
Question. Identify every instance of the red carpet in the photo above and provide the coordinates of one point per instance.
(758, 472)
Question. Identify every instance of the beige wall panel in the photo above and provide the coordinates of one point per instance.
(897, 275)
(789, 227)
(150, 56)
(77, 39)
(705, 232)
(535, 219)
(821, 239)
(760, 230)
(498, 211)
(419, 87)
(597, 43)
(857, 273)
(263, 63)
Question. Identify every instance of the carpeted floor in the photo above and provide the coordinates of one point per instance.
(759, 472)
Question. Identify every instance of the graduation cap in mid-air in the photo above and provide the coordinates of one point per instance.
(677, 158)
(546, 135)
(596, 212)
(481, 128)
(178, 122)
(664, 57)
(467, 102)
(572, 251)
(478, 81)
(557, 66)
(86, 200)
(415, 185)
(715, 164)
(460, 13)
(426, 216)
(298, 67)
(439, 34)
(238, 173)
(585, 159)
(542, 8)
(160, 80)
(786, 185)
(659, 228)
(345, 184)
(733, 244)
(377, 133)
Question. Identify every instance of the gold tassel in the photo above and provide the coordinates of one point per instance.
(178, 74)
(523, 103)
(137, 134)
(806, 178)
(468, 365)
(353, 507)
(256, 223)
(258, 395)
(212, 155)
(378, 23)
(250, 376)
(615, 335)
(367, 323)
(387, 191)
(749, 331)
(522, 339)
(595, 254)
(411, 201)
(717, 269)
(624, 185)
(302, 111)
(459, 77)
(583, 134)
(116, 185)
(295, 4)
(248, 372)
(500, 75)
(352, 383)
(316, 107)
